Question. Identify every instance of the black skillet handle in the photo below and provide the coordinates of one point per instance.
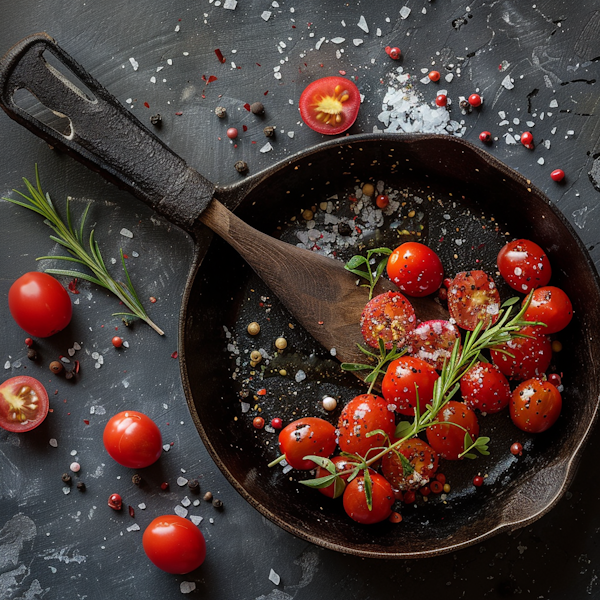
(104, 135)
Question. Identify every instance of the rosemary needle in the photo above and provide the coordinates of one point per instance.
(73, 241)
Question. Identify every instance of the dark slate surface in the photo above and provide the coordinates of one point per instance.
(73, 546)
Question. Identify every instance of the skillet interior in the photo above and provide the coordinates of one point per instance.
(224, 296)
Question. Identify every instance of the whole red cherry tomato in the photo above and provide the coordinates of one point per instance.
(23, 404)
(433, 341)
(304, 437)
(360, 416)
(355, 500)
(535, 405)
(416, 269)
(336, 488)
(330, 105)
(550, 305)
(423, 459)
(403, 377)
(531, 355)
(524, 265)
(388, 316)
(39, 304)
(473, 297)
(446, 438)
(174, 544)
(485, 387)
(133, 439)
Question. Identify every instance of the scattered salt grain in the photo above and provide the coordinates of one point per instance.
(274, 577)
(541, 161)
(66, 490)
(287, 469)
(404, 12)
(186, 502)
(357, 41)
(553, 104)
(230, 4)
(245, 407)
(166, 447)
(181, 481)
(362, 23)
(134, 527)
(142, 506)
(185, 587)
(319, 43)
(338, 40)
(7, 364)
(53, 442)
(300, 376)
(134, 63)
(266, 148)
(180, 511)
(196, 519)
(378, 33)
(507, 82)
(266, 15)
(126, 233)
(290, 134)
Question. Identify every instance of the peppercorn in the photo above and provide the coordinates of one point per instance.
(218, 504)
(156, 119)
(241, 166)
(344, 229)
(464, 104)
(221, 112)
(32, 354)
(194, 486)
(208, 496)
(66, 478)
(281, 343)
(136, 479)
(56, 367)
(255, 356)
(115, 502)
(269, 131)
(254, 328)
(69, 374)
(257, 108)
(81, 486)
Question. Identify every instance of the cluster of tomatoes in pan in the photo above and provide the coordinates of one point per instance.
(369, 420)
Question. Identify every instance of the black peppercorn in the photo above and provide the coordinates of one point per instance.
(81, 486)
(156, 119)
(269, 131)
(257, 108)
(344, 229)
(66, 478)
(221, 112)
(194, 486)
(56, 367)
(32, 354)
(464, 104)
(217, 503)
(136, 479)
(241, 166)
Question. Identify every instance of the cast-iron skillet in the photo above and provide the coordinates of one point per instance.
(467, 205)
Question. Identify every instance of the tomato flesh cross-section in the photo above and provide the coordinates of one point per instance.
(23, 404)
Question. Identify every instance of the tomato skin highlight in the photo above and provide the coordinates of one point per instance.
(304, 437)
(550, 305)
(23, 404)
(535, 405)
(174, 544)
(132, 439)
(416, 269)
(355, 501)
(448, 440)
(330, 105)
(524, 265)
(39, 304)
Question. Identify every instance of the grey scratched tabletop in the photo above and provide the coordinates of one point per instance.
(534, 61)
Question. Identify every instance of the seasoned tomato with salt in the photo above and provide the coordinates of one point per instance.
(535, 405)
(433, 341)
(406, 379)
(485, 387)
(338, 485)
(447, 437)
(304, 437)
(362, 415)
(524, 265)
(356, 504)
(416, 269)
(330, 105)
(473, 297)
(390, 317)
(23, 404)
(422, 458)
(551, 306)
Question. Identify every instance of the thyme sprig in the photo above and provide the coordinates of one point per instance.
(73, 241)
(361, 266)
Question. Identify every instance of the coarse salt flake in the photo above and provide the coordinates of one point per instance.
(180, 511)
(186, 587)
(142, 506)
(186, 502)
(53, 442)
(319, 43)
(266, 148)
(126, 233)
(134, 527)
(181, 481)
(362, 23)
(196, 519)
(134, 63)
(266, 15)
(338, 40)
(274, 577)
(507, 82)
(166, 447)
(357, 41)
(7, 364)
(230, 4)
(404, 12)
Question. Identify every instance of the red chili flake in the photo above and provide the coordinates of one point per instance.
(178, 114)
(244, 128)
(125, 256)
(76, 366)
(175, 354)
(395, 517)
(146, 105)
(211, 79)
(266, 93)
(320, 322)
(220, 56)
(262, 392)
(86, 421)
(247, 107)
(254, 142)
(342, 72)
(164, 486)
(131, 512)
(73, 286)
(258, 64)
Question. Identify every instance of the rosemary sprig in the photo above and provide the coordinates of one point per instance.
(361, 266)
(73, 241)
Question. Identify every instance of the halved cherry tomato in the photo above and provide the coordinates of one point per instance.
(416, 269)
(433, 341)
(446, 438)
(484, 387)
(524, 265)
(473, 297)
(355, 500)
(337, 487)
(39, 304)
(531, 355)
(389, 316)
(23, 404)
(535, 405)
(422, 457)
(174, 544)
(360, 416)
(404, 376)
(330, 105)
(304, 437)
(550, 305)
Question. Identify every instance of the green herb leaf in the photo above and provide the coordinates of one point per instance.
(402, 429)
(319, 482)
(368, 489)
(322, 461)
(510, 302)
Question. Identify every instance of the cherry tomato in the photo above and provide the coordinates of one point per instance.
(420, 455)
(133, 439)
(23, 404)
(337, 487)
(402, 379)
(473, 297)
(304, 437)
(449, 440)
(364, 414)
(330, 105)
(355, 501)
(432, 341)
(532, 355)
(551, 306)
(416, 269)
(484, 387)
(524, 265)
(39, 304)
(535, 405)
(174, 544)
(389, 316)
